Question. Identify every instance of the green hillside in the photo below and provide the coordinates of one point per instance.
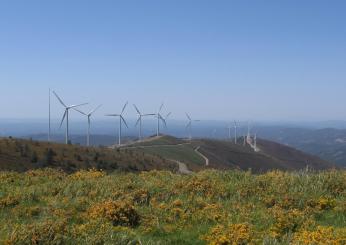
(227, 155)
(22, 155)
(183, 153)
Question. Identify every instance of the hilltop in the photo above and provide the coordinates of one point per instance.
(200, 154)
(160, 153)
(22, 155)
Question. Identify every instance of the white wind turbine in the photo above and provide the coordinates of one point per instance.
(88, 115)
(189, 125)
(159, 118)
(139, 121)
(66, 115)
(235, 131)
(229, 127)
(121, 120)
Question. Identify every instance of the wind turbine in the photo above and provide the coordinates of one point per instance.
(139, 121)
(229, 127)
(121, 120)
(235, 131)
(189, 124)
(248, 137)
(88, 115)
(159, 118)
(66, 114)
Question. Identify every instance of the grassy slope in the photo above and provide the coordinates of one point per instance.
(227, 155)
(48, 207)
(18, 155)
(161, 140)
(183, 153)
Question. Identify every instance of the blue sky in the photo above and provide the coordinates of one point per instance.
(264, 60)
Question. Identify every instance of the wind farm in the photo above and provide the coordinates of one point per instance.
(172, 122)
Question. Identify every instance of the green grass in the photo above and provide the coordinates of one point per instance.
(183, 153)
(91, 207)
(162, 140)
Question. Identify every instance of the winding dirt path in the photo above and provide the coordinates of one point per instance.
(183, 168)
(204, 157)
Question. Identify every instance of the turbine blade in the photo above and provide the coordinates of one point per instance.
(60, 100)
(80, 111)
(167, 116)
(112, 115)
(188, 125)
(188, 116)
(145, 115)
(63, 118)
(161, 107)
(139, 113)
(74, 106)
(164, 122)
(124, 108)
(139, 119)
(123, 119)
(94, 110)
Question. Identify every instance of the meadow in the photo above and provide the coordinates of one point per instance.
(49, 206)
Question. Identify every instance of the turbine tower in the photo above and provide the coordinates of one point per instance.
(88, 115)
(139, 121)
(229, 127)
(66, 115)
(49, 123)
(159, 118)
(121, 120)
(235, 131)
(189, 125)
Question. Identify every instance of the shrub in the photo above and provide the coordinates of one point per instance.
(120, 213)
(321, 236)
(47, 232)
(234, 234)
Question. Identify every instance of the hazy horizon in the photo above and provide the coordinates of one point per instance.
(224, 60)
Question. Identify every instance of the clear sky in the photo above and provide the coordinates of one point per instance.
(275, 60)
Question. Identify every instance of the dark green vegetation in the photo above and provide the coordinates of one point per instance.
(227, 155)
(23, 155)
(214, 207)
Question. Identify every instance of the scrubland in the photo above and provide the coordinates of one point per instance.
(158, 207)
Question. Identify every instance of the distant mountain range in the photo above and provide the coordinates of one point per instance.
(328, 143)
